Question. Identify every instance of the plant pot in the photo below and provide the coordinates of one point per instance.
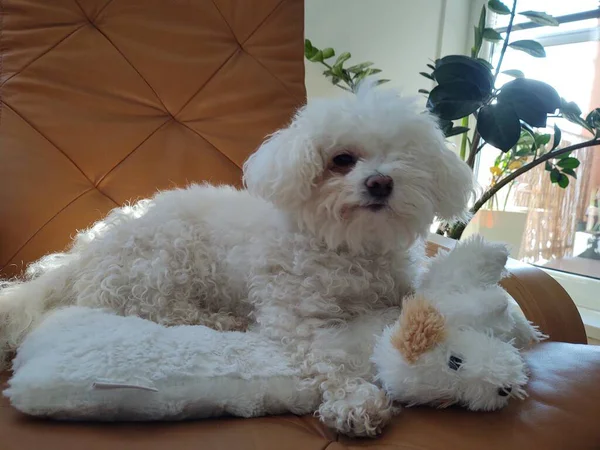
(500, 226)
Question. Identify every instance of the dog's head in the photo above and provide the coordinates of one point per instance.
(361, 170)
(431, 358)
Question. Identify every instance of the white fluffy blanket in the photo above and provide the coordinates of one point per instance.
(84, 363)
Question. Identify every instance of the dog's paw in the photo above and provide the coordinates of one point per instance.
(364, 411)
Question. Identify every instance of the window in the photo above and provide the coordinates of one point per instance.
(553, 228)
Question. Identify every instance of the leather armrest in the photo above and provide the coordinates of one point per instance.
(541, 298)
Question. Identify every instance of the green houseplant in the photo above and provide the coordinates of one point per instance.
(511, 118)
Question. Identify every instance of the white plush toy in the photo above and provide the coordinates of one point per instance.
(456, 341)
(458, 338)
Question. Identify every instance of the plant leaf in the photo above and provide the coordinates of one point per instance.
(499, 126)
(342, 59)
(307, 45)
(477, 42)
(381, 81)
(564, 155)
(514, 73)
(463, 68)
(570, 172)
(317, 56)
(457, 130)
(532, 100)
(540, 17)
(489, 34)
(557, 137)
(554, 175)
(337, 70)
(563, 181)
(572, 113)
(328, 52)
(426, 75)
(498, 7)
(486, 63)
(593, 118)
(431, 66)
(423, 91)
(359, 67)
(535, 91)
(482, 19)
(454, 100)
(570, 107)
(542, 139)
(568, 163)
(548, 166)
(530, 47)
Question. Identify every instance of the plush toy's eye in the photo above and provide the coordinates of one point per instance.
(344, 160)
(455, 362)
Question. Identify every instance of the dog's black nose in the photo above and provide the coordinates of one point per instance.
(503, 392)
(379, 186)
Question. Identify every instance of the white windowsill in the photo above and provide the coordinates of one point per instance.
(591, 320)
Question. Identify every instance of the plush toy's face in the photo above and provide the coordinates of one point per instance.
(365, 170)
(423, 360)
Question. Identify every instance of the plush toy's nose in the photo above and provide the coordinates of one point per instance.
(379, 186)
(503, 392)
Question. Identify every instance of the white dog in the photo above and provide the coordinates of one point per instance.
(328, 229)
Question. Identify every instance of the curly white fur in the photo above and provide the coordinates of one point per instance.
(300, 253)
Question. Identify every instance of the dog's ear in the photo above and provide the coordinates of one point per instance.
(284, 168)
(420, 328)
(454, 183)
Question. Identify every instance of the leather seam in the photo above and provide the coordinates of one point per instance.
(211, 144)
(279, 80)
(44, 53)
(235, 52)
(9, 260)
(97, 185)
(262, 22)
(50, 142)
(225, 20)
(164, 107)
(102, 10)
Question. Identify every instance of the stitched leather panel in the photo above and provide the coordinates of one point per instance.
(106, 101)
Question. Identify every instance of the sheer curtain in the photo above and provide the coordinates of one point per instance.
(553, 213)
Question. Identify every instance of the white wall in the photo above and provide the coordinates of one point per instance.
(399, 36)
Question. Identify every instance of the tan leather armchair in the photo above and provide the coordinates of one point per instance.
(105, 101)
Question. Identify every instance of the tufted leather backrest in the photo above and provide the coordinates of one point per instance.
(106, 101)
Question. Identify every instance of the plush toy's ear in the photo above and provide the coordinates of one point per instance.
(474, 262)
(421, 327)
(284, 168)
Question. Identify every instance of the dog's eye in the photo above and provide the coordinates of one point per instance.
(454, 362)
(344, 160)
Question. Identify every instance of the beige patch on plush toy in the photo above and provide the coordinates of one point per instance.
(421, 328)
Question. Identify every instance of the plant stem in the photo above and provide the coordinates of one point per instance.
(505, 44)
(350, 87)
(475, 147)
(526, 168)
(463, 141)
(510, 186)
